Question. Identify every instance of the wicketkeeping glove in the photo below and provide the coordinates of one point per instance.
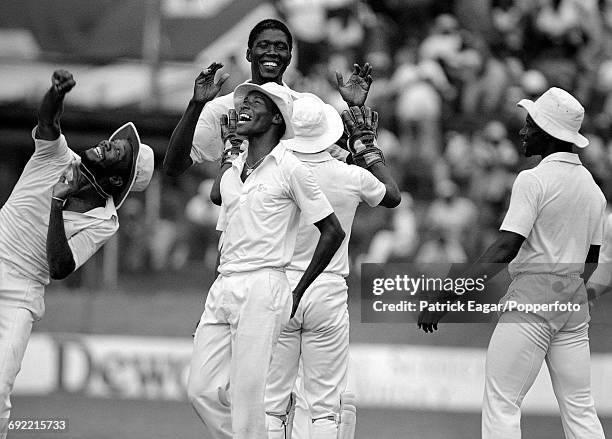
(361, 124)
(232, 142)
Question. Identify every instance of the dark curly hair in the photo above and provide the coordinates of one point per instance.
(270, 23)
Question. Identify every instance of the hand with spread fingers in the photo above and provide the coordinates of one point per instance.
(355, 90)
(205, 88)
(232, 142)
(361, 125)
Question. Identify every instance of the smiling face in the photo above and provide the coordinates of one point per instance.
(269, 56)
(107, 154)
(110, 163)
(257, 114)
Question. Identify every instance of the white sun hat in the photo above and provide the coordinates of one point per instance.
(142, 163)
(280, 95)
(316, 125)
(559, 114)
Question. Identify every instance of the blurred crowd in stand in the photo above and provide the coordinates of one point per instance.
(449, 124)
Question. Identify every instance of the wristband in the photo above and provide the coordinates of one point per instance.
(61, 200)
(369, 157)
(361, 142)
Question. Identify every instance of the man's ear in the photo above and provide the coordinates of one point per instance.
(277, 119)
(115, 180)
(248, 54)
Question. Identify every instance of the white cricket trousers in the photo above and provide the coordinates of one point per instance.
(319, 333)
(242, 319)
(518, 346)
(15, 328)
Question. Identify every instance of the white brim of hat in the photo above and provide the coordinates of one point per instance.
(311, 145)
(551, 126)
(142, 162)
(244, 89)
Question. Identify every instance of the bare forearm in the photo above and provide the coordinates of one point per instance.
(59, 256)
(392, 196)
(49, 114)
(177, 159)
(328, 244)
(591, 262)
(493, 260)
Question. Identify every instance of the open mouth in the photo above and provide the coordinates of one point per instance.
(270, 64)
(98, 152)
(244, 117)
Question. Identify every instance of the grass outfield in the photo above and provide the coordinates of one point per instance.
(122, 419)
(170, 305)
(159, 307)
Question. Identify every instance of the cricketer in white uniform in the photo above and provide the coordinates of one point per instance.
(265, 192)
(319, 332)
(554, 225)
(197, 137)
(50, 226)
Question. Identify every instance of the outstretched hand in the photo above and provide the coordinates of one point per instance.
(205, 88)
(355, 90)
(61, 83)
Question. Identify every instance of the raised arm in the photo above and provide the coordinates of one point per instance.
(361, 125)
(329, 242)
(177, 159)
(52, 105)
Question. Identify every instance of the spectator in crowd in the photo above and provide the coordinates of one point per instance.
(398, 243)
(201, 216)
(451, 214)
(439, 249)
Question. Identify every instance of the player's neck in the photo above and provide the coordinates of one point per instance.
(259, 80)
(84, 200)
(261, 145)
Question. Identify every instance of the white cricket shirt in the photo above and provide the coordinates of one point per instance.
(559, 209)
(345, 186)
(260, 217)
(24, 218)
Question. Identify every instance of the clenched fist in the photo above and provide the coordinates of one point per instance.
(62, 82)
